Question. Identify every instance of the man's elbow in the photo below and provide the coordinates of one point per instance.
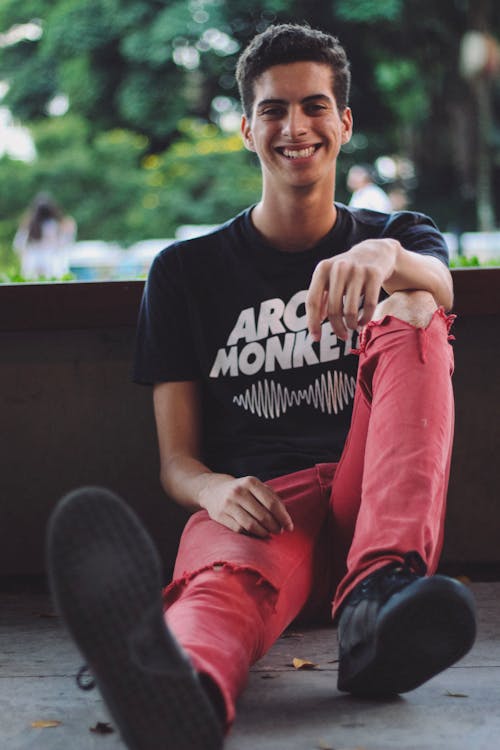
(444, 294)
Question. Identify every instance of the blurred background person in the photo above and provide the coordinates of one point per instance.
(43, 239)
(398, 198)
(365, 193)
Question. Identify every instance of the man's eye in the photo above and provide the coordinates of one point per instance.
(272, 112)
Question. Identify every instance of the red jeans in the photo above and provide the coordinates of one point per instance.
(233, 595)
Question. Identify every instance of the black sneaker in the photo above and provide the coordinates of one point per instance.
(398, 629)
(105, 577)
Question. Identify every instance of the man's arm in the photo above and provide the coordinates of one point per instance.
(340, 285)
(243, 505)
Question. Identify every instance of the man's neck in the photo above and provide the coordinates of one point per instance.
(294, 224)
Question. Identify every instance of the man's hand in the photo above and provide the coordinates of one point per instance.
(341, 285)
(244, 505)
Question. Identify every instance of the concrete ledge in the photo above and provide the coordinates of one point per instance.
(71, 416)
(104, 304)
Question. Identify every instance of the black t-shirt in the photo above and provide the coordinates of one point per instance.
(228, 310)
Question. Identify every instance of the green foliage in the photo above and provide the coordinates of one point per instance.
(115, 59)
(96, 178)
(83, 86)
(204, 178)
(17, 187)
(138, 153)
(116, 191)
(35, 86)
(474, 262)
(74, 27)
(403, 90)
(11, 275)
(58, 134)
(463, 262)
(367, 11)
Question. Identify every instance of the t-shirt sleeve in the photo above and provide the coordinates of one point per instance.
(164, 349)
(417, 232)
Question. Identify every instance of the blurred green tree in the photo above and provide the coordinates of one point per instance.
(144, 66)
(118, 192)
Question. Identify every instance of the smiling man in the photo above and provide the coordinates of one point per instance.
(314, 460)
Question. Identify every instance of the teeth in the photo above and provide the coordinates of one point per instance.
(300, 154)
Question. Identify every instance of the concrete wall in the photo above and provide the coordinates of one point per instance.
(473, 522)
(70, 416)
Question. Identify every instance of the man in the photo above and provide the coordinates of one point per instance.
(247, 336)
(365, 194)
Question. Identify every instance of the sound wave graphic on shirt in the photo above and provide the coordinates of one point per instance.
(328, 393)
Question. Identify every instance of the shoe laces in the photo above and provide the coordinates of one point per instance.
(414, 562)
(84, 678)
(394, 576)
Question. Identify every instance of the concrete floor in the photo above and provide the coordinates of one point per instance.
(282, 708)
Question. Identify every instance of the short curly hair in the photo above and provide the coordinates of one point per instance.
(287, 43)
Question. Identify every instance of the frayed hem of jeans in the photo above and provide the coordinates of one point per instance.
(365, 335)
(172, 592)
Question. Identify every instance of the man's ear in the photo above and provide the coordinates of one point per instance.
(346, 118)
(246, 134)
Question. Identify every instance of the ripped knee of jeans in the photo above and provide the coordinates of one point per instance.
(250, 577)
(415, 307)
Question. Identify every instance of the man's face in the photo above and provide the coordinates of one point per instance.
(296, 129)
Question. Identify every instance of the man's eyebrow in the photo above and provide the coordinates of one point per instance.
(311, 97)
(317, 97)
(265, 102)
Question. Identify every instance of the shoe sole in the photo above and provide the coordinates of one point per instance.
(105, 578)
(421, 631)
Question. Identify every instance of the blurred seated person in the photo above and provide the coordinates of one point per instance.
(43, 238)
(365, 194)
(398, 198)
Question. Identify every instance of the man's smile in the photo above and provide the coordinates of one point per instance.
(298, 152)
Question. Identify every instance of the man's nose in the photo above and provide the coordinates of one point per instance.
(295, 124)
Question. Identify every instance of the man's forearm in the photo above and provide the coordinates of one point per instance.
(242, 505)
(186, 480)
(421, 272)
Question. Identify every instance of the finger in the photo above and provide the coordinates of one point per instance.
(249, 507)
(324, 306)
(275, 506)
(371, 297)
(352, 302)
(262, 516)
(243, 523)
(315, 300)
(336, 299)
(253, 522)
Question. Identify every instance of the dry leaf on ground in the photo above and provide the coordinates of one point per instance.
(102, 727)
(303, 664)
(45, 724)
